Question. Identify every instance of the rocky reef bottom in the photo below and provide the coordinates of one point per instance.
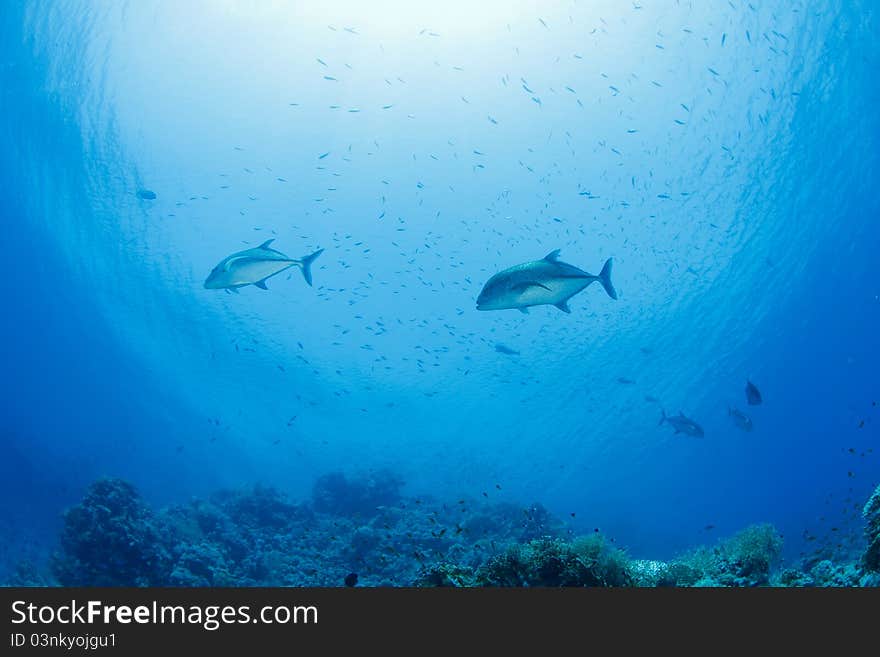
(362, 531)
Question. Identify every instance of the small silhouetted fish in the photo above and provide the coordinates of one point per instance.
(351, 579)
(146, 195)
(504, 349)
(651, 398)
(753, 395)
(625, 381)
(740, 419)
(709, 528)
(682, 424)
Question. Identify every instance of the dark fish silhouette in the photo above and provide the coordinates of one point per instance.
(682, 424)
(351, 579)
(504, 349)
(753, 395)
(740, 419)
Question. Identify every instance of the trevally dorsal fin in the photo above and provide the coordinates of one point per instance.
(265, 245)
(525, 285)
(553, 256)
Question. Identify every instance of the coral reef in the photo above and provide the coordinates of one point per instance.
(446, 575)
(586, 561)
(745, 559)
(871, 514)
(257, 537)
(661, 574)
(362, 531)
(110, 539)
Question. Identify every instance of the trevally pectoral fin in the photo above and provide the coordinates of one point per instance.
(563, 306)
(525, 285)
(262, 284)
(524, 310)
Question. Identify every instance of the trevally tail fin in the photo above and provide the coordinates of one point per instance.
(306, 264)
(605, 278)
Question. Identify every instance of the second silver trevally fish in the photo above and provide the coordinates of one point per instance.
(255, 267)
(548, 281)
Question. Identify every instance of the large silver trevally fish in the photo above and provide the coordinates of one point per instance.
(255, 267)
(542, 282)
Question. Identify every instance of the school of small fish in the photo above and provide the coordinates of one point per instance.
(547, 281)
(542, 282)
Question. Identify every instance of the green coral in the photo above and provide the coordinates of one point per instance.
(754, 551)
(587, 561)
(679, 574)
(446, 575)
(745, 559)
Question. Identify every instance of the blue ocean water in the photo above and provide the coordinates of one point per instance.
(724, 155)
